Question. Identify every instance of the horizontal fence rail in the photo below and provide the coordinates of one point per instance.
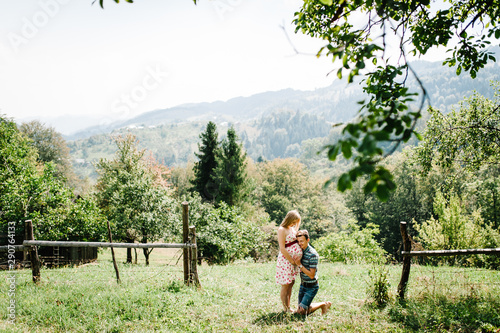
(450, 252)
(30, 245)
(407, 254)
(27, 243)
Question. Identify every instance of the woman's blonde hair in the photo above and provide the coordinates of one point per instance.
(290, 217)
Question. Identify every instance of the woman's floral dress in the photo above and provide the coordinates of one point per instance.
(285, 271)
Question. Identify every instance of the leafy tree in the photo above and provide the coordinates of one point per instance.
(286, 184)
(204, 169)
(71, 219)
(134, 196)
(483, 193)
(469, 136)
(454, 229)
(32, 190)
(50, 145)
(407, 203)
(18, 168)
(356, 201)
(359, 34)
(230, 173)
(465, 144)
(181, 178)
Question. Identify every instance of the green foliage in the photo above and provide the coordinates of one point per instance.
(468, 136)
(378, 288)
(230, 173)
(409, 201)
(181, 178)
(32, 190)
(360, 46)
(78, 221)
(454, 229)
(101, 2)
(431, 313)
(223, 234)
(50, 145)
(133, 194)
(483, 191)
(204, 169)
(18, 173)
(351, 245)
(280, 133)
(286, 184)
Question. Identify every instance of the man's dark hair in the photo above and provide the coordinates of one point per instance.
(302, 232)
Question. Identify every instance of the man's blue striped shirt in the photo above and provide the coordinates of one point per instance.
(309, 260)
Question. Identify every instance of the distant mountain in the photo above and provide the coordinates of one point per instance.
(270, 124)
(320, 101)
(336, 103)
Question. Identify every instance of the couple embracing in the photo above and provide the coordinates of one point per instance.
(297, 256)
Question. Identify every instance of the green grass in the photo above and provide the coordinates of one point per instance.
(243, 297)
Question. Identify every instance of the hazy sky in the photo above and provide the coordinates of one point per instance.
(62, 57)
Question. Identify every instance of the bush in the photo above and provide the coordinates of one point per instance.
(222, 234)
(80, 220)
(30, 190)
(456, 229)
(351, 245)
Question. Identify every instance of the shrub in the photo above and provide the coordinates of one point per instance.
(455, 229)
(80, 220)
(222, 234)
(351, 245)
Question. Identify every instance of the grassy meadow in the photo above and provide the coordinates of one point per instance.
(243, 297)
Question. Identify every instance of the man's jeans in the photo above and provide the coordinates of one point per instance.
(306, 295)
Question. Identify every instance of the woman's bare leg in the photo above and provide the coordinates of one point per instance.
(285, 299)
(289, 295)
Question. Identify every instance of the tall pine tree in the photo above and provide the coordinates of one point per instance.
(203, 182)
(230, 174)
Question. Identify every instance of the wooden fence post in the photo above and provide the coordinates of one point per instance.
(113, 254)
(25, 250)
(35, 261)
(406, 261)
(185, 238)
(193, 258)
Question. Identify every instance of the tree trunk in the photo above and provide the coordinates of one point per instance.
(405, 275)
(129, 251)
(146, 251)
(146, 255)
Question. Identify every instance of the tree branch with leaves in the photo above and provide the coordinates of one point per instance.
(359, 35)
(469, 136)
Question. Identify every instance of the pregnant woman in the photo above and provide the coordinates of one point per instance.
(286, 270)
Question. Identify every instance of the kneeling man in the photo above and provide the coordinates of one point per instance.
(309, 287)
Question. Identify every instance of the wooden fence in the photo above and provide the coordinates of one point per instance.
(189, 249)
(407, 253)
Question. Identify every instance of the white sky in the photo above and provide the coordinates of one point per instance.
(67, 57)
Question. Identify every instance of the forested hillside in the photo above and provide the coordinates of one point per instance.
(281, 134)
(285, 123)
